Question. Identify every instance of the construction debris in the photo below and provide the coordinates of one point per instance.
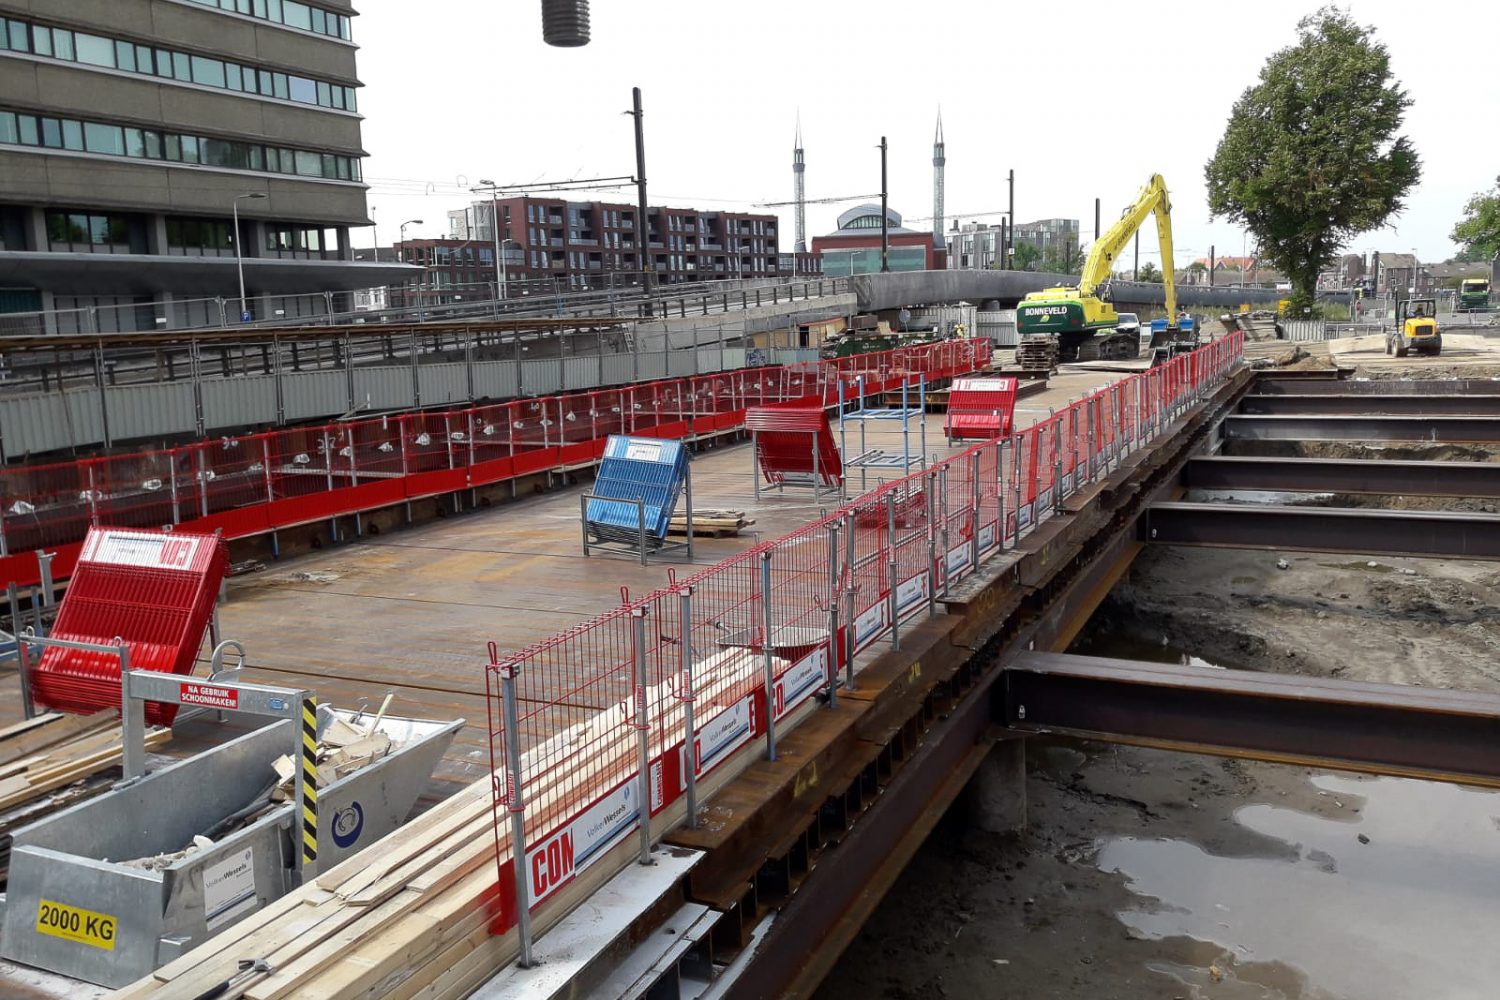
(54, 761)
(343, 750)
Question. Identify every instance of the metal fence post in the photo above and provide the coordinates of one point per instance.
(942, 534)
(833, 614)
(1088, 462)
(517, 806)
(849, 532)
(23, 654)
(690, 730)
(1016, 464)
(890, 569)
(643, 731)
(978, 501)
(932, 540)
(765, 644)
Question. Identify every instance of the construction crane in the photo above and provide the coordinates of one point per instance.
(816, 201)
(1075, 317)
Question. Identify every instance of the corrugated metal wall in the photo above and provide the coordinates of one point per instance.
(44, 422)
(1305, 329)
(999, 326)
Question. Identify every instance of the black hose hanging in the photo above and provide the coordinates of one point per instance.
(565, 23)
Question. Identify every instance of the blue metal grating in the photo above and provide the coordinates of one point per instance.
(646, 469)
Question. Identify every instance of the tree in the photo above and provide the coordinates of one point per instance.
(1025, 257)
(1479, 230)
(1310, 157)
(1149, 272)
(1066, 259)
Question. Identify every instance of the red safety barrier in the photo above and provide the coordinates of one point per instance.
(749, 640)
(155, 591)
(795, 445)
(981, 408)
(257, 483)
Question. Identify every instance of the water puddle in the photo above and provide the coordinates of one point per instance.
(1395, 895)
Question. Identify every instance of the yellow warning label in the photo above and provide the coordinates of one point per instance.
(72, 923)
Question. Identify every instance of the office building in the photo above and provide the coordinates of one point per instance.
(1053, 237)
(133, 131)
(975, 246)
(583, 242)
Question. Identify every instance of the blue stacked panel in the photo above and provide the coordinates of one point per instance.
(646, 469)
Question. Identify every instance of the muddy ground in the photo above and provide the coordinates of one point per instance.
(1033, 915)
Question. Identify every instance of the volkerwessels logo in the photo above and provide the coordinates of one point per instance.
(347, 824)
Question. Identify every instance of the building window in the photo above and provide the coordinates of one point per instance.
(81, 232)
(106, 139)
(199, 237)
(288, 12)
(115, 53)
(307, 241)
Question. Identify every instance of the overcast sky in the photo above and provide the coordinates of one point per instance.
(1081, 99)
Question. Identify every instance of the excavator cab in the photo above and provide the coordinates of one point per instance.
(1416, 329)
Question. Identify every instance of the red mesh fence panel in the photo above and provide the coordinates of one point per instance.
(46, 505)
(154, 591)
(236, 473)
(135, 490)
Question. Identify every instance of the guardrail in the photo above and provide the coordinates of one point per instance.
(259, 483)
(597, 732)
(620, 298)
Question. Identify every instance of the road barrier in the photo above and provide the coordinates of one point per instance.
(259, 483)
(597, 732)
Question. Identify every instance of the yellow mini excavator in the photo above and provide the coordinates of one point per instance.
(1082, 319)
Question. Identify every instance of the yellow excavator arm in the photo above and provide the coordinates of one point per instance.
(1099, 266)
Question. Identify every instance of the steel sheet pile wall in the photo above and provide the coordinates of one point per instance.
(621, 716)
(262, 482)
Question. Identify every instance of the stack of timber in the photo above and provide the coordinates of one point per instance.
(1037, 353)
(711, 523)
(410, 917)
(53, 761)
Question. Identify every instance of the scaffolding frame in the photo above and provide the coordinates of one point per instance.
(877, 458)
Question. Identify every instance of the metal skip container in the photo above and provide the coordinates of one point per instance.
(74, 908)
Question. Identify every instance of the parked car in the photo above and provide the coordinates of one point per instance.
(1128, 323)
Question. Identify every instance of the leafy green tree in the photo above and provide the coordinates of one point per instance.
(1479, 230)
(1149, 272)
(1066, 259)
(1311, 157)
(1025, 257)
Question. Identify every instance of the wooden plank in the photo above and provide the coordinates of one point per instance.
(25, 725)
(54, 732)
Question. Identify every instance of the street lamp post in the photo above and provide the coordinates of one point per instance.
(239, 257)
(401, 251)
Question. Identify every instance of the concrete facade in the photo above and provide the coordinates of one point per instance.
(132, 128)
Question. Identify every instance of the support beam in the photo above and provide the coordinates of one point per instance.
(1439, 429)
(1323, 529)
(1369, 403)
(1319, 384)
(1343, 475)
(1323, 722)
